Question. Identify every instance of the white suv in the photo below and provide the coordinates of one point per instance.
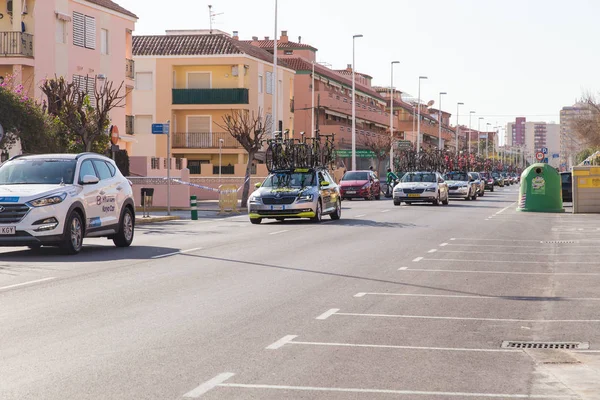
(58, 199)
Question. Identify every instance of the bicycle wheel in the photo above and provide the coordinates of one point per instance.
(269, 158)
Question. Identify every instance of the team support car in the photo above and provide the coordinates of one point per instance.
(361, 185)
(479, 182)
(460, 184)
(296, 193)
(428, 187)
(489, 180)
(59, 199)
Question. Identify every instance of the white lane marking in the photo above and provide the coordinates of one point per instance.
(393, 391)
(278, 232)
(466, 318)
(27, 283)
(328, 313)
(499, 240)
(443, 244)
(281, 342)
(417, 259)
(402, 268)
(176, 253)
(452, 238)
(524, 247)
(479, 297)
(512, 252)
(360, 215)
(209, 385)
(432, 251)
(384, 211)
(386, 346)
(462, 271)
(505, 208)
(511, 262)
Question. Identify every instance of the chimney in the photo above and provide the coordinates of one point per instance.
(235, 35)
(255, 38)
(266, 38)
(299, 39)
(349, 68)
(284, 37)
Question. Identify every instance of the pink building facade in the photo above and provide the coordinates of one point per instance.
(82, 40)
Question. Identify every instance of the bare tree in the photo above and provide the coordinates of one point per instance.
(587, 125)
(380, 145)
(85, 117)
(248, 128)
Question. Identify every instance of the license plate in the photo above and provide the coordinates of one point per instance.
(8, 230)
(414, 195)
(277, 208)
(351, 192)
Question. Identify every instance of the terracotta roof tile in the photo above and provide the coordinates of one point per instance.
(199, 45)
(300, 64)
(111, 5)
(349, 73)
(268, 44)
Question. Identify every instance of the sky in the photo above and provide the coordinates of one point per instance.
(501, 58)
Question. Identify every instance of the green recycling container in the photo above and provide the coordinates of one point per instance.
(541, 190)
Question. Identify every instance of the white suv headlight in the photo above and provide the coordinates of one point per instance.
(48, 200)
(431, 189)
(305, 197)
(255, 198)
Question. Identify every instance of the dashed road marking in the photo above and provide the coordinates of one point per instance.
(360, 215)
(384, 211)
(281, 342)
(462, 271)
(27, 283)
(417, 259)
(509, 262)
(432, 251)
(328, 313)
(208, 385)
(478, 297)
(278, 232)
(406, 316)
(402, 268)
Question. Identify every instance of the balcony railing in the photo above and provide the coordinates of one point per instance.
(204, 140)
(129, 124)
(210, 96)
(16, 44)
(129, 68)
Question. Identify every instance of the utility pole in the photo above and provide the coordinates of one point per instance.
(317, 133)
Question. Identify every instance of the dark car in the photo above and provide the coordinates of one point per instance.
(567, 186)
(498, 179)
(360, 185)
(489, 180)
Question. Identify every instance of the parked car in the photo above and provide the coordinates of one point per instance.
(360, 185)
(479, 182)
(428, 187)
(567, 186)
(489, 180)
(460, 184)
(498, 179)
(60, 199)
(507, 180)
(296, 193)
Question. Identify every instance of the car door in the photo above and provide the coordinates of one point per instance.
(90, 195)
(333, 189)
(442, 187)
(376, 185)
(325, 191)
(109, 215)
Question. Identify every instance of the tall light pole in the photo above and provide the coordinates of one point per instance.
(487, 138)
(275, 123)
(220, 151)
(354, 104)
(478, 132)
(457, 126)
(392, 114)
(440, 122)
(312, 104)
(470, 132)
(419, 117)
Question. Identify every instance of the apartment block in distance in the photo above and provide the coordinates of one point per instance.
(534, 136)
(194, 79)
(570, 143)
(81, 40)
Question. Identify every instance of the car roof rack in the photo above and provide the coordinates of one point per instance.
(18, 156)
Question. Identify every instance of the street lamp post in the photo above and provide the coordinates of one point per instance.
(275, 125)
(392, 114)
(478, 132)
(312, 104)
(419, 117)
(354, 104)
(470, 133)
(457, 127)
(220, 152)
(440, 122)
(487, 138)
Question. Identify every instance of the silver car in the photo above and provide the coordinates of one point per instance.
(295, 193)
(428, 187)
(479, 181)
(461, 185)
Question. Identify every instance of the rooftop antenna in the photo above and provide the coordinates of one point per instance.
(212, 16)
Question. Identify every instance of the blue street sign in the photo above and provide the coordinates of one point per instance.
(545, 150)
(546, 160)
(158, 129)
(586, 162)
(555, 155)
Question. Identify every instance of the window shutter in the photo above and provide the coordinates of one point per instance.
(91, 89)
(143, 80)
(90, 32)
(78, 29)
(269, 82)
(198, 80)
(198, 124)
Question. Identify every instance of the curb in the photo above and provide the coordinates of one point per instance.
(142, 220)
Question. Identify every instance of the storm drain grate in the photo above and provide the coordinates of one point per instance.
(560, 241)
(508, 344)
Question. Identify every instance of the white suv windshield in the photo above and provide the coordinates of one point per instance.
(39, 171)
(418, 177)
(287, 179)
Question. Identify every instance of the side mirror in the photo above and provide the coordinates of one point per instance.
(90, 180)
(257, 185)
(324, 184)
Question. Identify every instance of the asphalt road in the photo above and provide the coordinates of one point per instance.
(389, 302)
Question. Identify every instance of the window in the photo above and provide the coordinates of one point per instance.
(87, 85)
(84, 31)
(260, 84)
(104, 41)
(198, 80)
(86, 169)
(112, 169)
(143, 80)
(102, 169)
(61, 31)
(269, 83)
(288, 52)
(143, 124)
(198, 123)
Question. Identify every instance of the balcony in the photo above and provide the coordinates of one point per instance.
(204, 140)
(129, 68)
(129, 124)
(16, 44)
(210, 96)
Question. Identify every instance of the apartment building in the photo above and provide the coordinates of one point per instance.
(81, 40)
(193, 79)
(534, 136)
(570, 142)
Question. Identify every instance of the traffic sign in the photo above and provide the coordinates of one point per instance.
(545, 160)
(114, 135)
(359, 153)
(555, 155)
(160, 129)
(539, 156)
(545, 150)
(404, 144)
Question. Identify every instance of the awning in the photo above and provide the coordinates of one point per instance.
(337, 114)
(63, 17)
